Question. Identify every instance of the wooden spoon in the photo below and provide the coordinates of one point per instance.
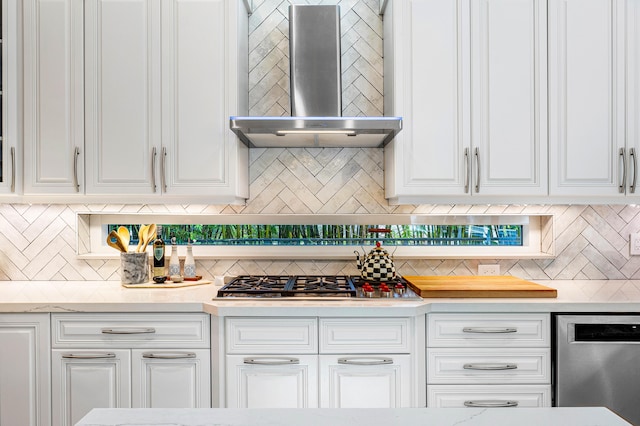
(114, 240)
(125, 237)
(142, 235)
(151, 235)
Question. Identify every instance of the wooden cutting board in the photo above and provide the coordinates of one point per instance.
(477, 286)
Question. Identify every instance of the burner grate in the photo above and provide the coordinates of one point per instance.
(311, 286)
(323, 285)
(256, 286)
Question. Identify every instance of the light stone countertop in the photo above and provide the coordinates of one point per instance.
(584, 416)
(110, 296)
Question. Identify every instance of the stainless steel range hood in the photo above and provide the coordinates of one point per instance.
(316, 93)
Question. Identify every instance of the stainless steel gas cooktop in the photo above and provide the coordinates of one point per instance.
(315, 286)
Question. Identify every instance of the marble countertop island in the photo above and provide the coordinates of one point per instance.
(564, 416)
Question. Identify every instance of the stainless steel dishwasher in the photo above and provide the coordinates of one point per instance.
(598, 363)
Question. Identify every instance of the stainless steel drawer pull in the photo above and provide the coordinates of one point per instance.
(153, 168)
(271, 361)
(634, 162)
(90, 355)
(477, 155)
(623, 181)
(169, 355)
(489, 403)
(163, 178)
(489, 366)
(128, 330)
(467, 173)
(76, 154)
(365, 361)
(489, 330)
(13, 169)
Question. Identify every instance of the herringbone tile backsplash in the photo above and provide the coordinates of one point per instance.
(38, 241)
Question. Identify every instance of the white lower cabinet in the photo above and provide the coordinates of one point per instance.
(365, 381)
(25, 392)
(488, 396)
(84, 379)
(488, 360)
(264, 381)
(319, 362)
(129, 360)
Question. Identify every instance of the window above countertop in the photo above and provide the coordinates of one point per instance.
(537, 236)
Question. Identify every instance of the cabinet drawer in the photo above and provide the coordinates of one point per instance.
(487, 366)
(364, 335)
(271, 335)
(488, 330)
(456, 396)
(130, 330)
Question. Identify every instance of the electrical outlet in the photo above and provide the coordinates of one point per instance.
(634, 244)
(489, 269)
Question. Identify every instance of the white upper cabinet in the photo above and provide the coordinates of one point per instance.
(588, 151)
(157, 98)
(123, 128)
(129, 100)
(469, 79)
(53, 97)
(10, 149)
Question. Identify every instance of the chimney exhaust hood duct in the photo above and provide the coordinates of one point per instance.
(316, 93)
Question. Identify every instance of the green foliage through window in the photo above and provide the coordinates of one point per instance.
(338, 235)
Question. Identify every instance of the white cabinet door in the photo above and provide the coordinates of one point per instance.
(508, 97)
(365, 381)
(430, 90)
(272, 381)
(587, 97)
(171, 378)
(87, 379)
(473, 98)
(122, 62)
(632, 94)
(53, 97)
(199, 154)
(10, 149)
(25, 388)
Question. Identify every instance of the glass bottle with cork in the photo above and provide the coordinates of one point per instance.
(158, 255)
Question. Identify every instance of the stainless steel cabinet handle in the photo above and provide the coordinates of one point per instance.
(489, 330)
(13, 169)
(489, 366)
(162, 168)
(169, 355)
(365, 361)
(271, 361)
(90, 355)
(128, 330)
(490, 403)
(477, 155)
(76, 154)
(467, 175)
(634, 162)
(153, 168)
(623, 182)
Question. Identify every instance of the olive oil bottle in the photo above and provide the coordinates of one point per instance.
(158, 255)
